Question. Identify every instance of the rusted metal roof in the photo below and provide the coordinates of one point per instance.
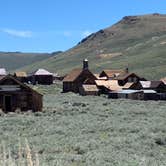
(72, 75)
(20, 74)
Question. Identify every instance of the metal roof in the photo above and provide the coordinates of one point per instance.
(42, 72)
(3, 72)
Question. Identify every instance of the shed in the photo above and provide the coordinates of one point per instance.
(77, 77)
(89, 90)
(127, 94)
(41, 76)
(16, 95)
(151, 95)
(21, 75)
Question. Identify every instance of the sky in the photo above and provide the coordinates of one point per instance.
(58, 25)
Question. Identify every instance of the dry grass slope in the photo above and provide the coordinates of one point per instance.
(79, 131)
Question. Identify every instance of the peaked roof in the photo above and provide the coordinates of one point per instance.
(113, 73)
(123, 76)
(18, 82)
(3, 71)
(42, 72)
(151, 84)
(73, 75)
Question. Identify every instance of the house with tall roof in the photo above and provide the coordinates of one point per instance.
(41, 76)
(77, 78)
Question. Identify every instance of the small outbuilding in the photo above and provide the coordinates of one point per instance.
(89, 90)
(127, 94)
(15, 95)
(41, 76)
(21, 76)
(78, 77)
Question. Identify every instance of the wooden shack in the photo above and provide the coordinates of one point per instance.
(111, 74)
(77, 77)
(89, 90)
(128, 77)
(158, 86)
(127, 94)
(21, 76)
(41, 76)
(15, 95)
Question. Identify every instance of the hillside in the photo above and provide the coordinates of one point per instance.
(14, 60)
(138, 42)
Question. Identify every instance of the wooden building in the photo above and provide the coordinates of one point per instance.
(128, 77)
(77, 77)
(16, 95)
(111, 74)
(89, 90)
(21, 76)
(158, 86)
(113, 85)
(41, 76)
(127, 94)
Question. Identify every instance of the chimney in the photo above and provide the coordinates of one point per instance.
(127, 69)
(85, 64)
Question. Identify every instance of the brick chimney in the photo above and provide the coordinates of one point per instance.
(85, 64)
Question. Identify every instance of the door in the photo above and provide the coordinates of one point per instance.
(8, 103)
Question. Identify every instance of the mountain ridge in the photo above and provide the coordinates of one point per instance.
(135, 41)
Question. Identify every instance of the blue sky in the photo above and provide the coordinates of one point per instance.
(51, 25)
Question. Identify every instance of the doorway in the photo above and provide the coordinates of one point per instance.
(8, 103)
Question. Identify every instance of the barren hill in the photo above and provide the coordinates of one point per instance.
(138, 42)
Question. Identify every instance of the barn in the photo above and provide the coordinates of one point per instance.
(15, 95)
(21, 76)
(41, 76)
(77, 77)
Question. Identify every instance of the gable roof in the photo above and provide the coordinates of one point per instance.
(3, 71)
(20, 74)
(42, 72)
(18, 82)
(151, 84)
(75, 73)
(123, 76)
(113, 73)
(72, 75)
